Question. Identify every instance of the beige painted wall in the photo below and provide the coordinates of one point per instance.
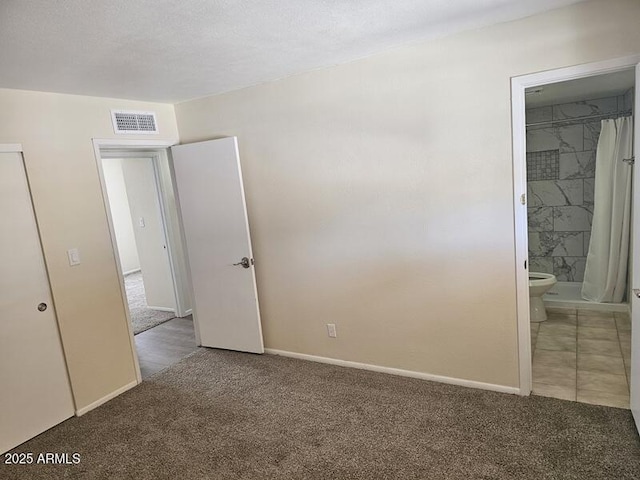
(56, 131)
(380, 192)
(121, 215)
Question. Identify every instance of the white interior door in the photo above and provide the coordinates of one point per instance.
(635, 272)
(210, 194)
(35, 393)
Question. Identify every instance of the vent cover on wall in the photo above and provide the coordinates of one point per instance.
(127, 121)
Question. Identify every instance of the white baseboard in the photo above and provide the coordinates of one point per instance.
(105, 399)
(135, 270)
(397, 371)
(162, 309)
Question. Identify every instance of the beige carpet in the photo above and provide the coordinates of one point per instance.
(142, 317)
(226, 415)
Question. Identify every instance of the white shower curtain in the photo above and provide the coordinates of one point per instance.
(605, 276)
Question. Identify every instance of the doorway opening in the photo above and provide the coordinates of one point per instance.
(582, 350)
(147, 240)
(208, 243)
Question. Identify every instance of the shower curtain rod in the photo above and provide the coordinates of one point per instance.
(578, 119)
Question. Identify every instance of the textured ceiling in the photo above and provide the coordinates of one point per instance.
(169, 51)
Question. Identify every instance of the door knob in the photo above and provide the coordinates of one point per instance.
(636, 292)
(244, 262)
(42, 307)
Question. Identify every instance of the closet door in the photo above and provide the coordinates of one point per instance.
(34, 387)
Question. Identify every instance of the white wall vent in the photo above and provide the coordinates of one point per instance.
(128, 121)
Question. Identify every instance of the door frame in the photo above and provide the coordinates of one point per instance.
(11, 148)
(518, 125)
(130, 146)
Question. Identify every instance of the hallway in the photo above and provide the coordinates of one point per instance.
(165, 344)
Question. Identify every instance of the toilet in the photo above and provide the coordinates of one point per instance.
(539, 283)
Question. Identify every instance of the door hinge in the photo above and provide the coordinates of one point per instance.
(525, 264)
(523, 199)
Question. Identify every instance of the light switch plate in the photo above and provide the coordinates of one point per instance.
(74, 256)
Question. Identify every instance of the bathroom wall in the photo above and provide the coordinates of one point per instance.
(628, 99)
(560, 182)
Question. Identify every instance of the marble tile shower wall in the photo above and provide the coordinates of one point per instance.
(628, 99)
(561, 160)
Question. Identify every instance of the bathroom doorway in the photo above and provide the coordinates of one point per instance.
(582, 352)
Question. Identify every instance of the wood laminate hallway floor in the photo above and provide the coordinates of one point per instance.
(165, 344)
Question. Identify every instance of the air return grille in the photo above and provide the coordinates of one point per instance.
(134, 122)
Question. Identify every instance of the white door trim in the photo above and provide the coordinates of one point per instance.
(127, 145)
(10, 148)
(131, 144)
(518, 86)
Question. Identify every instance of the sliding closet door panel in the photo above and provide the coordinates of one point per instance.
(35, 393)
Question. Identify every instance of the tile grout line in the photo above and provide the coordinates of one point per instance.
(620, 355)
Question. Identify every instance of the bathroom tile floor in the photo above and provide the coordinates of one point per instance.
(582, 355)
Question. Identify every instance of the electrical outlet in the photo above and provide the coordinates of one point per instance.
(331, 330)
